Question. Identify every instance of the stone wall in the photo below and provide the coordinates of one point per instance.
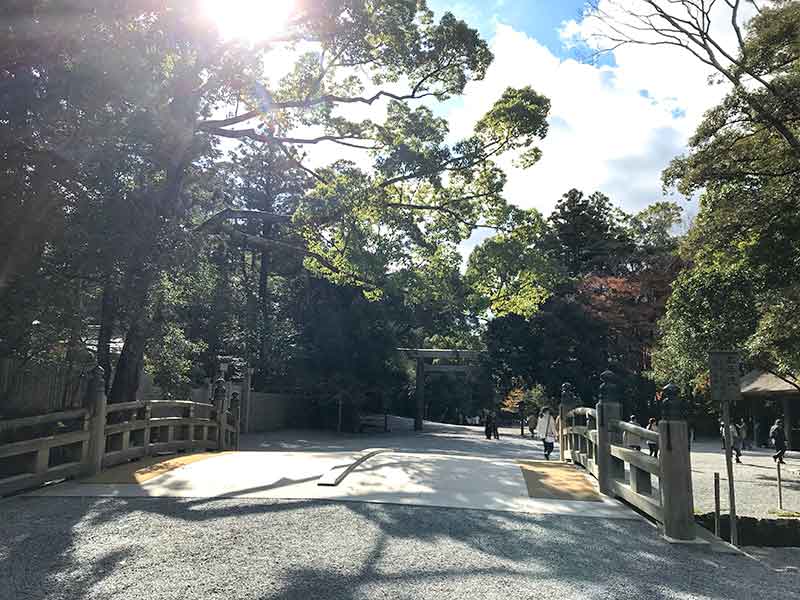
(269, 412)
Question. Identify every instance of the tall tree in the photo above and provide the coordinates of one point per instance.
(586, 234)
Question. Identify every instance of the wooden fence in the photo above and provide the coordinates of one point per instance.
(593, 438)
(85, 440)
(38, 388)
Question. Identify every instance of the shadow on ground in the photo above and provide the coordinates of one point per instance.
(154, 548)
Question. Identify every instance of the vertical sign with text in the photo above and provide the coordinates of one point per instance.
(725, 378)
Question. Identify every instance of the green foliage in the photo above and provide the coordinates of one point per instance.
(509, 272)
(519, 115)
(560, 343)
(588, 235)
(711, 308)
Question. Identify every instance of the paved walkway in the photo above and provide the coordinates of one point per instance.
(196, 541)
(454, 467)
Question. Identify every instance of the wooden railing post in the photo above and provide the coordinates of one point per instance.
(219, 406)
(567, 404)
(97, 408)
(675, 465)
(245, 410)
(146, 433)
(608, 409)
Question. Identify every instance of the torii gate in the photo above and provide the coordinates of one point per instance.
(421, 355)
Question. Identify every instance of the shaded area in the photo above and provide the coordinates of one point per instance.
(166, 548)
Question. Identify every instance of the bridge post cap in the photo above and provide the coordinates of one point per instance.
(608, 375)
(670, 389)
(673, 405)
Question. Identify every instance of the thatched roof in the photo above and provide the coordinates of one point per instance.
(761, 383)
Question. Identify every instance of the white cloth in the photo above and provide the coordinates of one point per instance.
(546, 428)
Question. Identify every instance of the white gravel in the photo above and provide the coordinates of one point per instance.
(756, 481)
(153, 549)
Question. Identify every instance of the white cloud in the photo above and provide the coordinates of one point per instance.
(612, 128)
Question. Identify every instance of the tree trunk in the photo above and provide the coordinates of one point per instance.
(107, 318)
(129, 365)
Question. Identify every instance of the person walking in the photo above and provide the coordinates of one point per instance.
(778, 437)
(489, 424)
(742, 426)
(532, 425)
(652, 425)
(736, 443)
(546, 428)
(495, 429)
(631, 440)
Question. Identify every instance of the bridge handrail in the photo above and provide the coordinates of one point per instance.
(627, 473)
(99, 442)
(582, 411)
(642, 432)
(54, 417)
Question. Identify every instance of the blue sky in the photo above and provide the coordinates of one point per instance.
(615, 124)
(540, 19)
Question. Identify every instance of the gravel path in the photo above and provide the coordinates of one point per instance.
(756, 481)
(153, 549)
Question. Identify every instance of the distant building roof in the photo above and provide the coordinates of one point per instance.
(761, 383)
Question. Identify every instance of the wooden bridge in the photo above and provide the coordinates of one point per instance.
(73, 443)
(593, 438)
(84, 441)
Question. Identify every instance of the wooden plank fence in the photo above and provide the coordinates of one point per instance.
(38, 388)
(83, 441)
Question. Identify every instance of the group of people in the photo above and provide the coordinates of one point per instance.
(490, 426)
(741, 441)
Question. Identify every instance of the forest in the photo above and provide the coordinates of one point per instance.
(163, 205)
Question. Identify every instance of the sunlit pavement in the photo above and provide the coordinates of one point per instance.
(447, 466)
(402, 525)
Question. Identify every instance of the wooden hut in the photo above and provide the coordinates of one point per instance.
(765, 397)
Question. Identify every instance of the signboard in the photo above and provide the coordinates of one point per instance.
(725, 378)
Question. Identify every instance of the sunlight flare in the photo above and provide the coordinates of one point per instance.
(250, 20)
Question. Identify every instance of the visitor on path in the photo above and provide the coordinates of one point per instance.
(742, 427)
(652, 425)
(631, 440)
(736, 443)
(722, 432)
(532, 425)
(547, 430)
(778, 437)
(489, 424)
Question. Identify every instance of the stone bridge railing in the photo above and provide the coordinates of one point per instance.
(38, 449)
(593, 438)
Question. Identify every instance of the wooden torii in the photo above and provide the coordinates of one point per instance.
(424, 356)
